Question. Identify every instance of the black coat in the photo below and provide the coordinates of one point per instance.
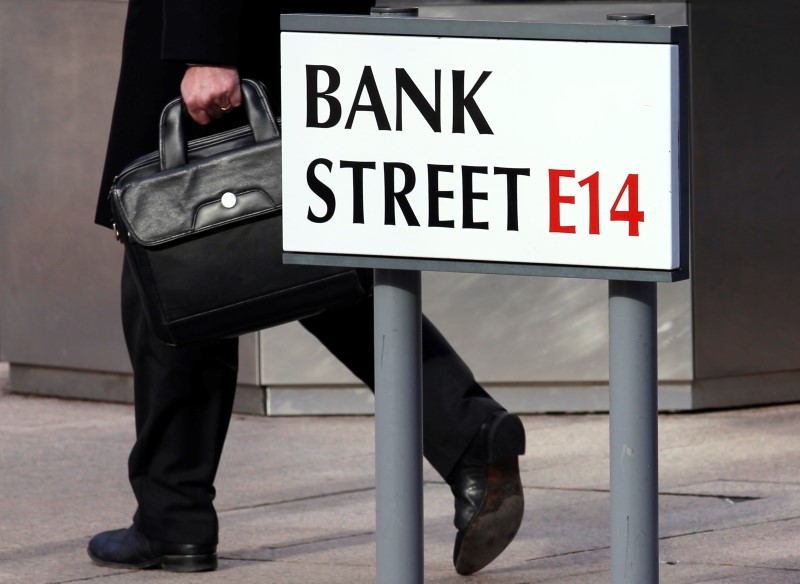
(161, 36)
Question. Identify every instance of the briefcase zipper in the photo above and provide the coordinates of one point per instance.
(153, 157)
(196, 144)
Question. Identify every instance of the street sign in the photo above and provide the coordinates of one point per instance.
(529, 148)
(509, 151)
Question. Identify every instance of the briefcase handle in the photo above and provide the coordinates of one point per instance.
(172, 136)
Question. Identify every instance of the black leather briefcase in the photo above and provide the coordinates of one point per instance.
(201, 224)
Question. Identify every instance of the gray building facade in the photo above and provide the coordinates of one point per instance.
(727, 337)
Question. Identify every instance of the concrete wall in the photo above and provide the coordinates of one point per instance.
(538, 344)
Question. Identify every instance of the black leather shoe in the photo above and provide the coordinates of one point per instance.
(489, 501)
(127, 548)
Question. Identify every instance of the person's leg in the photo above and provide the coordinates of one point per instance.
(469, 438)
(183, 402)
(454, 405)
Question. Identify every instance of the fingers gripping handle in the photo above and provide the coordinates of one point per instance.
(172, 135)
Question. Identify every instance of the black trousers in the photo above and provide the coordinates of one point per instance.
(184, 400)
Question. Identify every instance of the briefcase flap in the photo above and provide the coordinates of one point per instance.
(204, 194)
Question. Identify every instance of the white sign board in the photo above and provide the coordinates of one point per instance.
(491, 150)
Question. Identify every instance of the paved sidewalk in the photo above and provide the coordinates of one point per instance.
(296, 499)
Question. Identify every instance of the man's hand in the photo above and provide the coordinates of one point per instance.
(209, 92)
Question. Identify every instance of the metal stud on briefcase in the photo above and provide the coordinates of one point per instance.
(202, 228)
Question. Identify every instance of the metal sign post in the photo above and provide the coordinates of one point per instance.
(633, 426)
(633, 419)
(398, 416)
(416, 144)
(398, 426)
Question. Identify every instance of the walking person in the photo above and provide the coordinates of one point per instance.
(183, 396)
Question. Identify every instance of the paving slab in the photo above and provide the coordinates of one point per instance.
(296, 498)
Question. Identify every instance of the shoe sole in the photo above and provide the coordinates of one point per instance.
(497, 521)
(195, 563)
